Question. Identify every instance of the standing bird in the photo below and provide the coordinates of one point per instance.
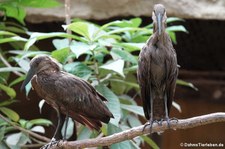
(157, 71)
(67, 94)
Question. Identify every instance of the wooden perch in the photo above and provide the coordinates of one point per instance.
(137, 131)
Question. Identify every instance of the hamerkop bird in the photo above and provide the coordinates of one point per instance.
(157, 71)
(67, 93)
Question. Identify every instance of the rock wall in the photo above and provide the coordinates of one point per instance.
(106, 9)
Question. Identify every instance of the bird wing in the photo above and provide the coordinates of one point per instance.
(171, 74)
(144, 78)
(79, 96)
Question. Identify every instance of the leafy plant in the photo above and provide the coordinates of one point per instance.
(104, 55)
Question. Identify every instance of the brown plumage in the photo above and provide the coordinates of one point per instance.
(157, 70)
(67, 93)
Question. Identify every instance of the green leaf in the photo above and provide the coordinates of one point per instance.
(15, 12)
(7, 102)
(173, 19)
(60, 43)
(7, 33)
(8, 90)
(116, 65)
(79, 48)
(150, 142)
(12, 39)
(2, 133)
(85, 133)
(10, 113)
(113, 103)
(23, 63)
(184, 83)
(39, 129)
(61, 55)
(176, 28)
(17, 139)
(78, 69)
(112, 129)
(40, 36)
(41, 121)
(88, 30)
(10, 69)
(173, 37)
(17, 80)
(121, 54)
(133, 108)
(130, 47)
(133, 121)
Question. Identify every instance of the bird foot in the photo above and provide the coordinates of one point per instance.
(50, 144)
(151, 122)
(168, 120)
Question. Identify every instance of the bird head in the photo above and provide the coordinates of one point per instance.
(38, 64)
(159, 18)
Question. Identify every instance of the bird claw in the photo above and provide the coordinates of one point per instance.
(151, 122)
(168, 120)
(50, 144)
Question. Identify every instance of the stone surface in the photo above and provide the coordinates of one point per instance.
(106, 9)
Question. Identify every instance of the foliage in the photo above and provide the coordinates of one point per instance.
(103, 55)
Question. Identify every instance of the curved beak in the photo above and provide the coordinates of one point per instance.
(30, 74)
(159, 23)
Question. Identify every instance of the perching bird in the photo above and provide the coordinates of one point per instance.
(157, 71)
(67, 93)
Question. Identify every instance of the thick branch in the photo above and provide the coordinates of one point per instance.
(137, 131)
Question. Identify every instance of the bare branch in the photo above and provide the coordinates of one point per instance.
(137, 131)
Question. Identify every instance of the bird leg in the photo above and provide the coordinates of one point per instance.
(53, 140)
(167, 119)
(151, 121)
(66, 125)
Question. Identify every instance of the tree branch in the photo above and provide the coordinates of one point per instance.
(137, 131)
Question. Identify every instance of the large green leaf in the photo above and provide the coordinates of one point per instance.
(176, 28)
(12, 10)
(79, 69)
(61, 55)
(12, 39)
(113, 103)
(188, 84)
(122, 54)
(130, 47)
(8, 90)
(40, 36)
(84, 133)
(60, 43)
(7, 33)
(133, 108)
(10, 69)
(17, 139)
(10, 113)
(79, 48)
(88, 30)
(41, 121)
(116, 65)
